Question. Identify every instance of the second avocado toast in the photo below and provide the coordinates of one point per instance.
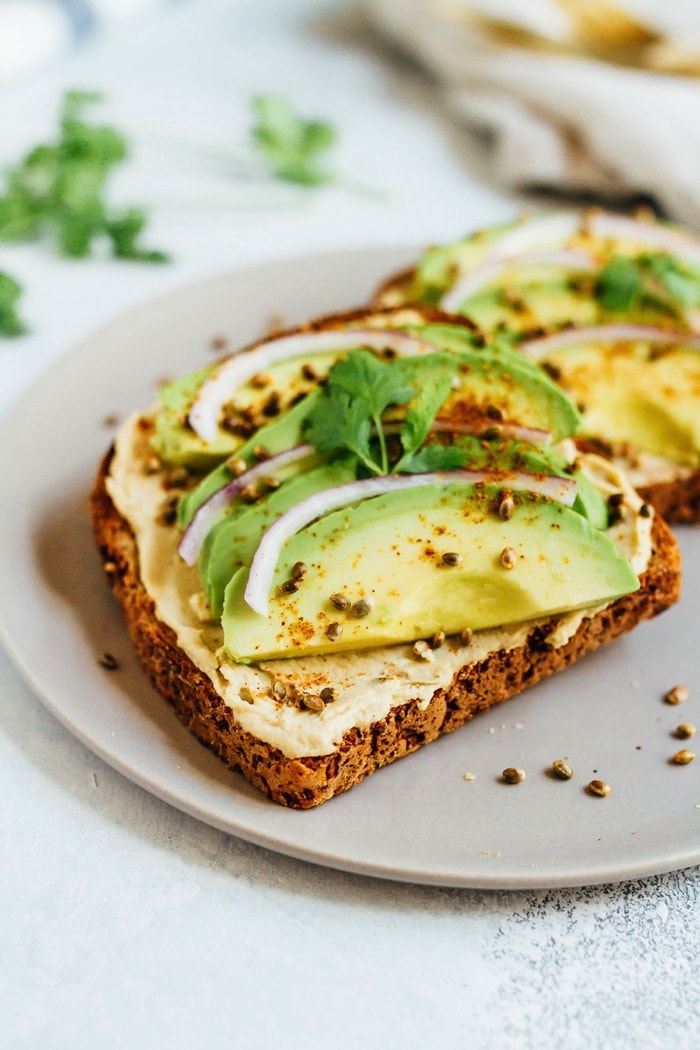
(342, 542)
(610, 307)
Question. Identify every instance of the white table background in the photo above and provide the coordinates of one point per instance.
(124, 923)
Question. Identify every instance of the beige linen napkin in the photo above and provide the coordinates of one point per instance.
(574, 95)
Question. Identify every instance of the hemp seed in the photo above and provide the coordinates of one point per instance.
(334, 631)
(506, 508)
(513, 775)
(451, 558)
(508, 558)
(465, 636)
(599, 788)
(678, 695)
(685, 730)
(562, 769)
(683, 757)
(363, 607)
(339, 601)
(312, 702)
(108, 661)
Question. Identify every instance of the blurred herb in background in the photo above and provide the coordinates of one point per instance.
(57, 190)
(294, 148)
(10, 292)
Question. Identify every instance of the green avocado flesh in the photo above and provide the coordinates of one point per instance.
(631, 395)
(233, 540)
(388, 550)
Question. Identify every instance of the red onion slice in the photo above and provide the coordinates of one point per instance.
(236, 371)
(470, 283)
(194, 534)
(536, 349)
(506, 430)
(262, 569)
(645, 234)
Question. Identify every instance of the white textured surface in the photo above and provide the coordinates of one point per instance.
(124, 922)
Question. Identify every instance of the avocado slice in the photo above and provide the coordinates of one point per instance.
(388, 550)
(630, 393)
(234, 539)
(284, 433)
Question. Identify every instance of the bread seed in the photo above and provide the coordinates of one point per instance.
(328, 694)
(279, 690)
(685, 730)
(513, 775)
(678, 695)
(451, 558)
(599, 788)
(683, 757)
(562, 769)
(437, 640)
(465, 636)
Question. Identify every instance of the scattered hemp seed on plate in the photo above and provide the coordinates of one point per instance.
(562, 769)
(108, 661)
(683, 757)
(685, 730)
(678, 695)
(513, 775)
(599, 788)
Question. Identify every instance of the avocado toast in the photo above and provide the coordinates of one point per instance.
(348, 539)
(610, 307)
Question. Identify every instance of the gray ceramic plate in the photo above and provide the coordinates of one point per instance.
(418, 820)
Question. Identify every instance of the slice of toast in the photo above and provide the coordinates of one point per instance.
(478, 675)
(673, 488)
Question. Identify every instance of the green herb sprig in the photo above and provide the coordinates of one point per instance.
(10, 292)
(294, 148)
(57, 190)
(359, 389)
(658, 281)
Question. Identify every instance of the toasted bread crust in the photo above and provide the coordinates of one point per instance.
(306, 782)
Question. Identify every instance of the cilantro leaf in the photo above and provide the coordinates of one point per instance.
(10, 292)
(620, 285)
(431, 397)
(434, 457)
(681, 281)
(338, 421)
(58, 190)
(294, 148)
(358, 391)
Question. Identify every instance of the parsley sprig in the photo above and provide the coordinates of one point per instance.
(57, 190)
(660, 281)
(349, 415)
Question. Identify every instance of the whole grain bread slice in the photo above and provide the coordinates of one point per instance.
(305, 782)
